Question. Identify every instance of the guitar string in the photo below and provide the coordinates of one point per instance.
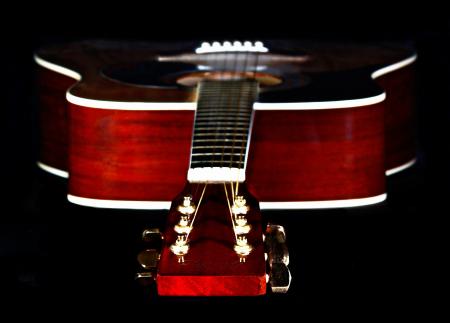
(215, 62)
(231, 212)
(233, 69)
(238, 111)
(251, 116)
(195, 213)
(222, 99)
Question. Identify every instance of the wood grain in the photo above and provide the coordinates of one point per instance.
(53, 124)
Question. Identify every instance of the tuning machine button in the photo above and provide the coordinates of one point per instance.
(149, 257)
(152, 237)
(279, 278)
(277, 258)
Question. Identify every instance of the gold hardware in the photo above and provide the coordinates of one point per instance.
(148, 258)
(180, 248)
(145, 279)
(239, 205)
(152, 235)
(241, 225)
(183, 225)
(188, 207)
(242, 248)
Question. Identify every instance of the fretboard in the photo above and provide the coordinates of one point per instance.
(221, 130)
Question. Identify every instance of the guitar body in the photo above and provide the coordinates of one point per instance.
(326, 140)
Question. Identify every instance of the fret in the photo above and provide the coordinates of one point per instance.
(224, 117)
(219, 140)
(221, 128)
(224, 134)
(222, 123)
(217, 164)
(205, 163)
(216, 154)
(213, 147)
(219, 150)
(213, 111)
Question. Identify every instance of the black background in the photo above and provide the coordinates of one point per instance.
(362, 261)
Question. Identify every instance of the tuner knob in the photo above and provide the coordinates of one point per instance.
(145, 278)
(277, 258)
(148, 258)
(152, 236)
(275, 244)
(279, 278)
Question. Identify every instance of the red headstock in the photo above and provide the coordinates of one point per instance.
(214, 255)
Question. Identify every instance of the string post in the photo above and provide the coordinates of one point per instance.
(239, 205)
(187, 207)
(180, 248)
(242, 248)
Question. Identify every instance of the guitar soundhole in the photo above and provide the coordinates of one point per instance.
(148, 73)
(169, 74)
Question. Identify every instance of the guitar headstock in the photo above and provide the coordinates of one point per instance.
(213, 243)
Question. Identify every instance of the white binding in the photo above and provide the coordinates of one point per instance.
(322, 204)
(56, 68)
(398, 169)
(53, 170)
(119, 204)
(165, 205)
(394, 67)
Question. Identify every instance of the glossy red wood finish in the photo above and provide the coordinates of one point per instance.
(315, 155)
(338, 156)
(400, 123)
(211, 267)
(128, 155)
(52, 89)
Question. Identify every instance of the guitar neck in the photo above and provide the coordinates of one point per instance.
(222, 130)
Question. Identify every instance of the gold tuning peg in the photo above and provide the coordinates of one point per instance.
(275, 244)
(277, 258)
(241, 225)
(183, 225)
(152, 236)
(148, 258)
(239, 205)
(279, 278)
(145, 278)
(242, 248)
(180, 248)
(187, 207)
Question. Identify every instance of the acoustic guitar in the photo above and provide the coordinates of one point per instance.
(228, 129)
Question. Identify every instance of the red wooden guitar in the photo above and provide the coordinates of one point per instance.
(270, 125)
